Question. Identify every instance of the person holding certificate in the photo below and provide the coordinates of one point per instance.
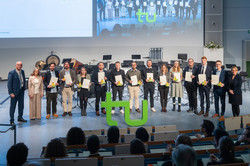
(219, 81)
(67, 78)
(190, 84)
(235, 92)
(51, 82)
(164, 79)
(35, 94)
(83, 83)
(149, 76)
(99, 77)
(176, 85)
(204, 81)
(133, 77)
(117, 78)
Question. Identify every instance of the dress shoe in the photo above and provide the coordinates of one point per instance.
(138, 110)
(130, 110)
(121, 111)
(70, 114)
(48, 116)
(190, 109)
(215, 115)
(179, 108)
(103, 111)
(97, 113)
(22, 120)
(165, 110)
(12, 123)
(55, 115)
(64, 114)
(201, 112)
(153, 109)
(162, 110)
(84, 112)
(206, 114)
(173, 107)
(195, 111)
(221, 118)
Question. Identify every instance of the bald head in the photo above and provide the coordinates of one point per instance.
(19, 65)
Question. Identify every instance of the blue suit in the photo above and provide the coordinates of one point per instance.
(15, 87)
(220, 92)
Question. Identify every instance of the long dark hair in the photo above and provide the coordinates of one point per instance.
(226, 146)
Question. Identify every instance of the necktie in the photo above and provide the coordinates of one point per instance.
(202, 70)
(21, 79)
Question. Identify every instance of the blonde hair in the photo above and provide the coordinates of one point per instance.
(85, 71)
(33, 73)
(178, 67)
(166, 71)
(234, 67)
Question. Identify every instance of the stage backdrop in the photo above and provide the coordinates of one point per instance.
(78, 29)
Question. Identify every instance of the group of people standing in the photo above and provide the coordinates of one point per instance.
(166, 80)
(120, 8)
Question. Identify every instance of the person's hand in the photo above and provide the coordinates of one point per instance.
(70, 84)
(105, 78)
(153, 80)
(49, 86)
(100, 83)
(192, 76)
(116, 83)
(12, 95)
(146, 80)
(198, 83)
(213, 158)
(63, 79)
(160, 82)
(77, 85)
(89, 84)
(130, 81)
(242, 138)
(169, 148)
(198, 136)
(57, 84)
(222, 85)
(31, 96)
(41, 95)
(231, 91)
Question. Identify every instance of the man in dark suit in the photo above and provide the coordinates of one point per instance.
(191, 87)
(204, 89)
(101, 6)
(51, 90)
(16, 88)
(219, 90)
(100, 87)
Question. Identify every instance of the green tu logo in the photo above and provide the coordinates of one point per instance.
(134, 122)
(139, 14)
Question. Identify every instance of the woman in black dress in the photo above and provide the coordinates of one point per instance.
(235, 93)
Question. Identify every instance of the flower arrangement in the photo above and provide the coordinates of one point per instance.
(119, 83)
(102, 81)
(53, 84)
(175, 79)
(212, 45)
(204, 83)
(219, 84)
(150, 79)
(80, 85)
(167, 84)
(139, 82)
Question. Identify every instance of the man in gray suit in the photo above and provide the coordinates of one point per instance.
(67, 87)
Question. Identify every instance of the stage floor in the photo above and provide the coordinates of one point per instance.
(36, 134)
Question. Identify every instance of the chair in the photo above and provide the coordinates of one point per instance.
(92, 132)
(132, 130)
(103, 139)
(165, 136)
(128, 138)
(43, 162)
(133, 160)
(125, 149)
(122, 131)
(76, 162)
(245, 120)
(164, 128)
(233, 123)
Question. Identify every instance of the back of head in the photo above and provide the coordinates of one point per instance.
(248, 132)
(75, 136)
(183, 139)
(137, 147)
(209, 127)
(142, 134)
(184, 155)
(218, 133)
(226, 146)
(17, 154)
(93, 144)
(113, 134)
(56, 148)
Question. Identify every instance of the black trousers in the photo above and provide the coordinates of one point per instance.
(236, 110)
(119, 90)
(192, 94)
(51, 97)
(204, 90)
(100, 94)
(83, 95)
(164, 95)
(20, 99)
(219, 93)
(158, 10)
(102, 12)
(116, 12)
(149, 87)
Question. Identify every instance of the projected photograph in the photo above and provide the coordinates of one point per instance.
(148, 17)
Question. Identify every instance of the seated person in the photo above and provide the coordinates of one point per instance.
(142, 134)
(184, 155)
(226, 147)
(113, 134)
(137, 147)
(218, 133)
(17, 154)
(75, 136)
(93, 145)
(55, 148)
(207, 127)
(245, 137)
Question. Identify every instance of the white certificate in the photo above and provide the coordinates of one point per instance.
(151, 4)
(202, 77)
(176, 2)
(164, 4)
(163, 80)
(85, 83)
(68, 79)
(53, 80)
(137, 3)
(117, 4)
(150, 76)
(134, 80)
(177, 76)
(187, 4)
(123, 3)
(215, 79)
(144, 3)
(101, 76)
(170, 3)
(118, 78)
(181, 4)
(158, 2)
(188, 76)
(131, 4)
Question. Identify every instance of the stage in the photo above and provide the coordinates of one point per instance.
(37, 133)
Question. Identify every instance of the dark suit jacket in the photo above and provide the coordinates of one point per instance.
(115, 73)
(194, 72)
(14, 82)
(237, 82)
(101, 4)
(208, 73)
(222, 78)
(144, 75)
(73, 77)
(47, 78)
(95, 80)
